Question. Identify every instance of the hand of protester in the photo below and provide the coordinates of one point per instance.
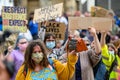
(92, 31)
(104, 33)
(73, 52)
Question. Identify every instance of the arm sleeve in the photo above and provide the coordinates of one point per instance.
(106, 57)
(66, 71)
(20, 75)
(94, 58)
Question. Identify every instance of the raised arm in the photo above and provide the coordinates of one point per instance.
(96, 41)
(66, 71)
(102, 41)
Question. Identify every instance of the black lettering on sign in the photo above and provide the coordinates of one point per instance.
(14, 10)
(10, 22)
(58, 24)
(58, 35)
(53, 30)
(47, 30)
(16, 22)
(54, 25)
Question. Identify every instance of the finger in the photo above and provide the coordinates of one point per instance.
(73, 51)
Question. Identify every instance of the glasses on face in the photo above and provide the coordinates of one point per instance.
(22, 42)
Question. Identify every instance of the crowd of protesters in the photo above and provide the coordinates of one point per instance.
(36, 55)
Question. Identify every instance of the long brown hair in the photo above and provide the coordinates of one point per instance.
(29, 63)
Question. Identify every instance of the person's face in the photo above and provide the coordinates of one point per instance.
(37, 55)
(110, 48)
(3, 72)
(22, 44)
(87, 44)
(50, 43)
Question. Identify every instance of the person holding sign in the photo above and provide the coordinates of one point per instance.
(33, 27)
(88, 59)
(111, 60)
(37, 67)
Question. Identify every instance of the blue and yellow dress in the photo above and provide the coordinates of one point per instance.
(45, 74)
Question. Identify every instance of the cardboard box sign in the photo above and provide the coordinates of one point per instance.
(100, 24)
(48, 13)
(99, 11)
(14, 18)
(56, 28)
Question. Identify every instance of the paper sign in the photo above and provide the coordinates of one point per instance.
(56, 28)
(14, 18)
(99, 12)
(48, 13)
(100, 24)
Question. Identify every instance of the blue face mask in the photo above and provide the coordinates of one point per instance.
(50, 44)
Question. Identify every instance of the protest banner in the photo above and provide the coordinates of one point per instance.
(48, 13)
(97, 11)
(100, 24)
(56, 28)
(14, 18)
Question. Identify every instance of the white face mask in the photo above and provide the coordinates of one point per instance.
(37, 57)
(112, 52)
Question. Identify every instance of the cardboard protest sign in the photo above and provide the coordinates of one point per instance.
(57, 28)
(99, 11)
(48, 13)
(100, 24)
(14, 18)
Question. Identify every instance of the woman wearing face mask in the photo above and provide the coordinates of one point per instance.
(112, 49)
(37, 67)
(111, 61)
(18, 53)
(50, 44)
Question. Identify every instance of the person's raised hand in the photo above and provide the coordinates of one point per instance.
(92, 31)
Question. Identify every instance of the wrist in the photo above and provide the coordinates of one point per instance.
(94, 35)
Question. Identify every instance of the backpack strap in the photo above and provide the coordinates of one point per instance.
(25, 71)
(107, 74)
(113, 64)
